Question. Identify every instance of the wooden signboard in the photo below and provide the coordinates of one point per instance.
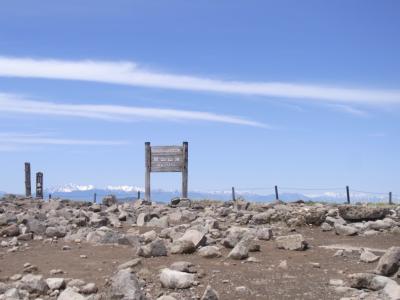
(166, 159)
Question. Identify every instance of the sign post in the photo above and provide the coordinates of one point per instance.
(39, 185)
(28, 190)
(166, 159)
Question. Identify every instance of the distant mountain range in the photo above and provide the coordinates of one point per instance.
(126, 193)
(86, 192)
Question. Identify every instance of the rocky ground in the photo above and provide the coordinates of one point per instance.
(62, 249)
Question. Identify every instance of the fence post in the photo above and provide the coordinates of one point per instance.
(348, 194)
(390, 198)
(233, 194)
(138, 195)
(94, 197)
(276, 193)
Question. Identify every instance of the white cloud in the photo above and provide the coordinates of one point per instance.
(13, 141)
(17, 104)
(129, 73)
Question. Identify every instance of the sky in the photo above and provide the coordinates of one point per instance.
(288, 93)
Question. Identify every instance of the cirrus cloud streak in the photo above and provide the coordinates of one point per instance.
(17, 104)
(130, 73)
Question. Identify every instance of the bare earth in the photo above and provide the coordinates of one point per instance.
(263, 280)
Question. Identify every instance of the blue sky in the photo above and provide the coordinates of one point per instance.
(266, 92)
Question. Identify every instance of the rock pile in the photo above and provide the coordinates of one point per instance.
(185, 227)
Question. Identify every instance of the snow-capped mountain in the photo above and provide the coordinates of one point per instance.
(88, 192)
(70, 187)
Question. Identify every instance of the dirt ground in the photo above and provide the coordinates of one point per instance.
(263, 280)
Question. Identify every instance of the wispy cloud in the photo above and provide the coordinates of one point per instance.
(10, 141)
(17, 104)
(350, 110)
(130, 73)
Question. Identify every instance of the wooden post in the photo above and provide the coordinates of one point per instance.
(39, 185)
(138, 195)
(28, 189)
(185, 170)
(233, 194)
(94, 198)
(276, 193)
(390, 198)
(147, 149)
(49, 196)
(348, 194)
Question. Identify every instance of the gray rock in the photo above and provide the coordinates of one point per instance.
(209, 252)
(11, 230)
(362, 213)
(58, 231)
(326, 227)
(345, 229)
(130, 264)
(264, 234)
(34, 283)
(55, 283)
(183, 266)
(154, 249)
(262, 218)
(389, 262)
(210, 294)
(291, 242)
(176, 280)
(368, 256)
(142, 219)
(182, 247)
(125, 286)
(196, 237)
(109, 200)
(70, 294)
(240, 251)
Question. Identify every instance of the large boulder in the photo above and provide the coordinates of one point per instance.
(389, 263)
(125, 286)
(362, 213)
(175, 279)
(291, 242)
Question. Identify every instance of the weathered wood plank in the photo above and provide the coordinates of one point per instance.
(185, 169)
(148, 170)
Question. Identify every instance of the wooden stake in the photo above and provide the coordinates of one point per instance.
(390, 198)
(348, 194)
(233, 194)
